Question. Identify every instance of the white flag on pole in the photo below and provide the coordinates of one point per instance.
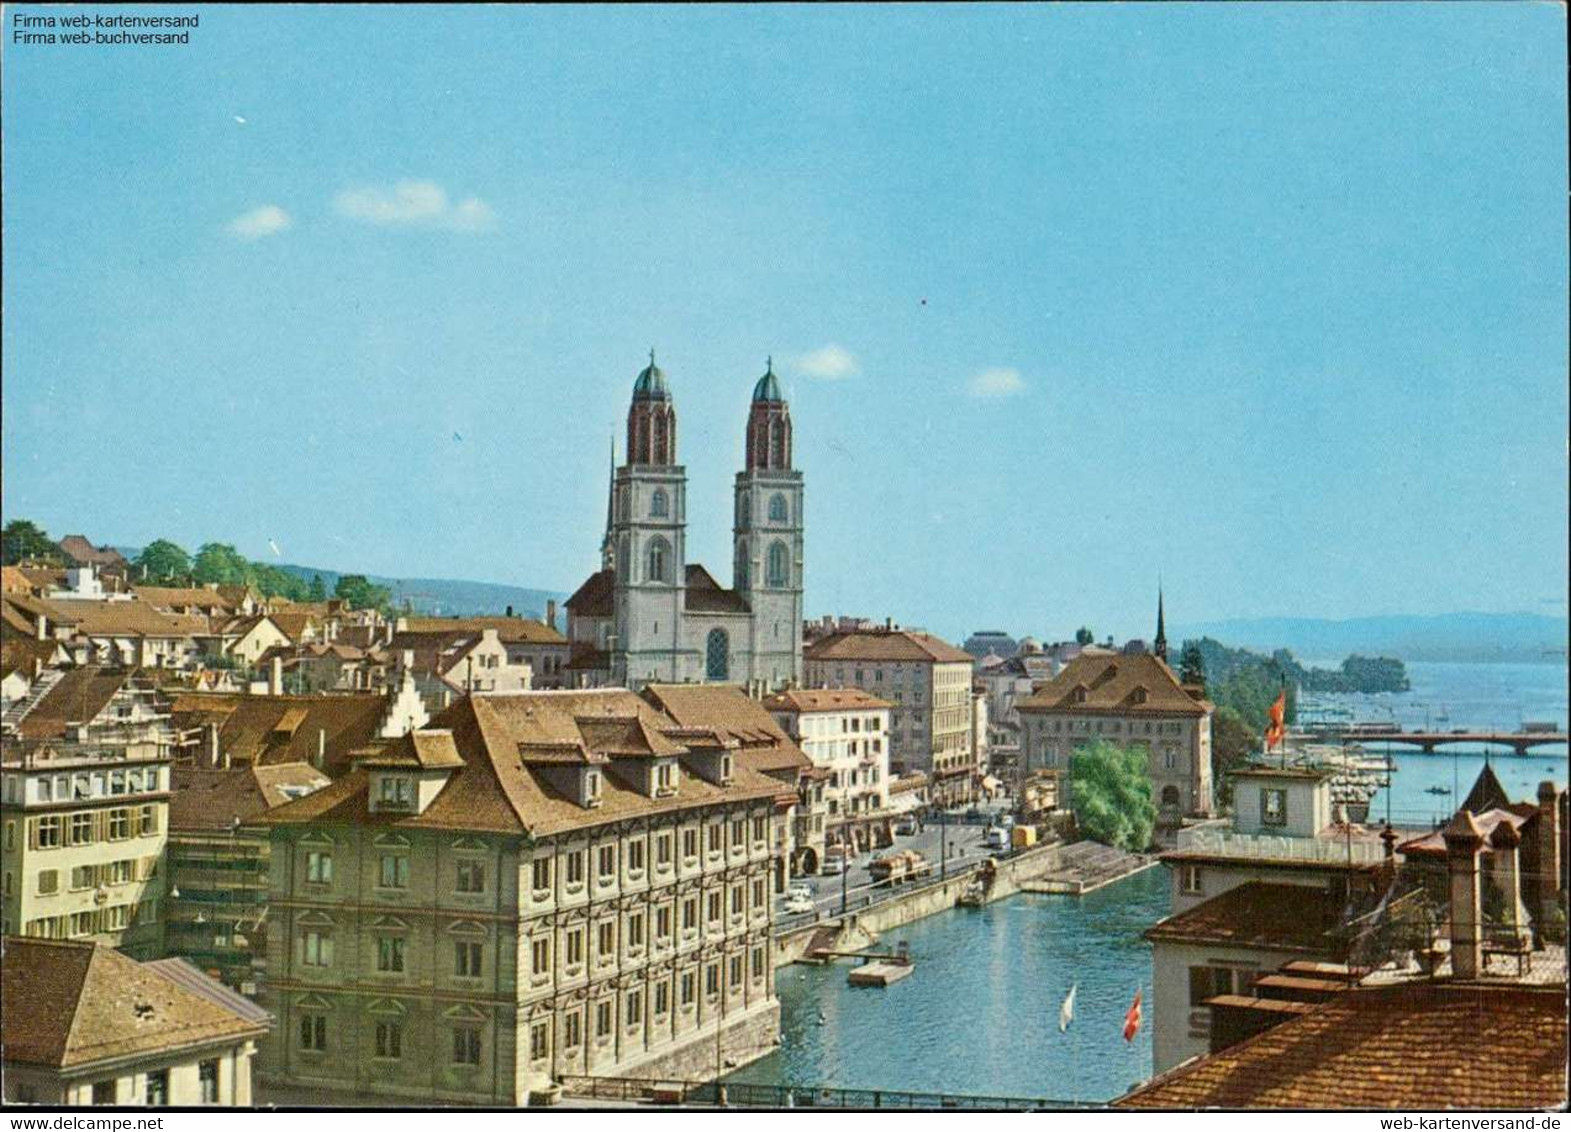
(1066, 1012)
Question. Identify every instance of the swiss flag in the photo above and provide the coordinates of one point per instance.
(1132, 1018)
(1276, 729)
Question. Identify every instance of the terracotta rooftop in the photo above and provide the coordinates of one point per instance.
(210, 798)
(77, 697)
(885, 644)
(494, 791)
(1281, 917)
(270, 730)
(509, 630)
(1418, 1046)
(593, 598)
(71, 1004)
(78, 549)
(702, 594)
(764, 746)
(184, 597)
(1135, 684)
(825, 699)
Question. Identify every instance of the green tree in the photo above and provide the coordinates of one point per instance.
(1084, 636)
(361, 594)
(164, 561)
(221, 563)
(1232, 742)
(23, 539)
(1192, 665)
(1110, 793)
(318, 590)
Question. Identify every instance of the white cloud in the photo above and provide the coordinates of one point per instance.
(268, 220)
(997, 383)
(416, 204)
(829, 363)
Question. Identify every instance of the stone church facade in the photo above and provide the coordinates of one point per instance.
(648, 614)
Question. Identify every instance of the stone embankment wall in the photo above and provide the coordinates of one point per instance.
(864, 925)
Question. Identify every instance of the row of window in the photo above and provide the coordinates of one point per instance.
(94, 921)
(95, 784)
(54, 831)
(92, 876)
(466, 1039)
(1115, 726)
(155, 1090)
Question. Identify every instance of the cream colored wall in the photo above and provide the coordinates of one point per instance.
(185, 1087)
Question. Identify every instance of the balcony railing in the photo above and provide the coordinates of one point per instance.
(1360, 850)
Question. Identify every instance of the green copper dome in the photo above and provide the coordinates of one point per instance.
(768, 387)
(651, 385)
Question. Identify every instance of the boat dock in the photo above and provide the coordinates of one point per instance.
(1085, 867)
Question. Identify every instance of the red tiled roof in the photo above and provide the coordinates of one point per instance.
(593, 598)
(885, 644)
(825, 699)
(65, 1004)
(1418, 1046)
(1135, 684)
(1281, 917)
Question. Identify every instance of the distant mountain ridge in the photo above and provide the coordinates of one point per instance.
(1462, 637)
(436, 597)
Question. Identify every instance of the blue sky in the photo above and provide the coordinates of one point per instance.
(1268, 300)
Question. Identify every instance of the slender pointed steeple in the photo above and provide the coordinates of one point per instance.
(1160, 646)
(607, 544)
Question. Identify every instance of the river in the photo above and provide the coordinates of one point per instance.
(980, 1013)
(1448, 697)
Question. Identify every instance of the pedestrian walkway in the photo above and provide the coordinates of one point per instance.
(1087, 866)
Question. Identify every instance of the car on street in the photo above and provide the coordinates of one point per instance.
(797, 905)
(835, 863)
(996, 837)
(802, 891)
(907, 825)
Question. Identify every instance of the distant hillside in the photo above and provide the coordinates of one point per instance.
(438, 597)
(1472, 637)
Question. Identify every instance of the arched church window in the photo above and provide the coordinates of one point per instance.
(744, 511)
(779, 573)
(717, 655)
(779, 512)
(659, 504)
(741, 565)
(659, 561)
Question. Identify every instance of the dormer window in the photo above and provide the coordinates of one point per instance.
(591, 787)
(664, 779)
(1140, 696)
(725, 769)
(397, 792)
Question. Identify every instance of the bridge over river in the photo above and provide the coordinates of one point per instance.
(1520, 742)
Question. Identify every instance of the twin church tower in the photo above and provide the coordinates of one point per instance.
(650, 615)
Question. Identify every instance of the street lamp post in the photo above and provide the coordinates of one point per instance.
(943, 843)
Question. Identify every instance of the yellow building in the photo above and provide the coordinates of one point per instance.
(540, 885)
(84, 829)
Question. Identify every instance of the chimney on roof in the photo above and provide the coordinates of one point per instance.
(321, 748)
(1507, 873)
(889, 623)
(41, 627)
(509, 612)
(1548, 865)
(275, 677)
(216, 756)
(1463, 841)
(550, 613)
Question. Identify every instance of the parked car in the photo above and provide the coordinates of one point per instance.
(1005, 821)
(835, 863)
(996, 837)
(804, 891)
(797, 905)
(907, 825)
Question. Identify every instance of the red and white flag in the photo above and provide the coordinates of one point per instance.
(1132, 1018)
(1276, 729)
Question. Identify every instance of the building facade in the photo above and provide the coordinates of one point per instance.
(928, 683)
(649, 615)
(84, 830)
(845, 733)
(1131, 701)
(545, 884)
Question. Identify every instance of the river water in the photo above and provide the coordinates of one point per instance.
(1449, 697)
(980, 1014)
